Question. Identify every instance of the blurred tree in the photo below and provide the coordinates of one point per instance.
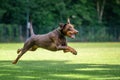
(89, 16)
(100, 9)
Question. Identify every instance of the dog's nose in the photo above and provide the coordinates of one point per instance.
(76, 31)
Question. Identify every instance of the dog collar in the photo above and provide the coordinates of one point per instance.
(59, 31)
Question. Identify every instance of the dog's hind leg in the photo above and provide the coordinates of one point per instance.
(26, 47)
(33, 48)
(19, 50)
(19, 56)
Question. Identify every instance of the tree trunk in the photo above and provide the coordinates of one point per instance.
(100, 9)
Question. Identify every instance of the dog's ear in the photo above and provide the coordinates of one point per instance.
(61, 25)
(68, 21)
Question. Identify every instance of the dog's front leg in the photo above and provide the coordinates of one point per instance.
(67, 49)
(64, 47)
(70, 49)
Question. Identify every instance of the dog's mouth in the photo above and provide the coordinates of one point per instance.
(71, 34)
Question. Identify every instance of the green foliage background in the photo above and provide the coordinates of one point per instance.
(47, 14)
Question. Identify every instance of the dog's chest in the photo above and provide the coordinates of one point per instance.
(61, 41)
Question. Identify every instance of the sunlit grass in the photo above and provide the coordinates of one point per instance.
(95, 61)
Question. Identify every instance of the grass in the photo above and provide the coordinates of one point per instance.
(95, 61)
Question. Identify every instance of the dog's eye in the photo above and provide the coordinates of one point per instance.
(69, 29)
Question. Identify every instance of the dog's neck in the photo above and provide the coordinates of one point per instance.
(60, 32)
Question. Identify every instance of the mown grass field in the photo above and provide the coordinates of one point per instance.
(95, 61)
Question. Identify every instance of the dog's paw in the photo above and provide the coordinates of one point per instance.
(75, 52)
(18, 51)
(14, 62)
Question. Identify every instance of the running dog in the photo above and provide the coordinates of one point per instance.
(53, 41)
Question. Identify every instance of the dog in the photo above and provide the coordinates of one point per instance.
(53, 41)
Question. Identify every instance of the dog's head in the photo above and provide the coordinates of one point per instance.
(68, 29)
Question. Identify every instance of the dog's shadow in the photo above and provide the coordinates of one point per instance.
(57, 70)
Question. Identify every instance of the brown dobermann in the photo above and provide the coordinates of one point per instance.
(53, 41)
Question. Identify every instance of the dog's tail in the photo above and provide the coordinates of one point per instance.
(31, 29)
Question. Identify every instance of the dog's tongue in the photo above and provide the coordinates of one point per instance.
(73, 36)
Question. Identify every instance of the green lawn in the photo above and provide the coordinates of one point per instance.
(95, 61)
